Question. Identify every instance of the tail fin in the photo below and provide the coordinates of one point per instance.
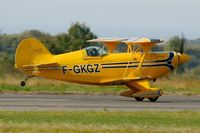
(30, 52)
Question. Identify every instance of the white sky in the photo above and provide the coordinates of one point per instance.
(106, 18)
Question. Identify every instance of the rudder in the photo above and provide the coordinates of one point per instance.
(30, 51)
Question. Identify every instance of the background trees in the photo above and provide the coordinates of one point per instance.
(74, 39)
(176, 44)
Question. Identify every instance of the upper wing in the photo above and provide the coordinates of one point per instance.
(143, 40)
(136, 40)
(109, 42)
(146, 43)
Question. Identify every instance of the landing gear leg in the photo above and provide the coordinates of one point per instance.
(23, 83)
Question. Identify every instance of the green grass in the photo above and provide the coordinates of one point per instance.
(75, 88)
(179, 85)
(145, 121)
(176, 85)
(66, 88)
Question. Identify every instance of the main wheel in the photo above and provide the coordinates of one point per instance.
(139, 98)
(23, 83)
(153, 99)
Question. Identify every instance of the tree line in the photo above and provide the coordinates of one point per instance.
(74, 39)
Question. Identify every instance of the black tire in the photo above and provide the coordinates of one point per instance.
(23, 83)
(153, 99)
(139, 98)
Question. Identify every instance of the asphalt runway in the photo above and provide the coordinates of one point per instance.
(88, 102)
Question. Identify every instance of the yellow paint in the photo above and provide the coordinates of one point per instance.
(133, 68)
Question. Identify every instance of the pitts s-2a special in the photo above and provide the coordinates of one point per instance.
(119, 61)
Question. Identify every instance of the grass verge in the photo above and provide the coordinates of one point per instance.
(176, 85)
(145, 121)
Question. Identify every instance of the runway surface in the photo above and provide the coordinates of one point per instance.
(86, 102)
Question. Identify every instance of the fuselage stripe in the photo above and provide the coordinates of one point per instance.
(135, 66)
(167, 61)
(171, 55)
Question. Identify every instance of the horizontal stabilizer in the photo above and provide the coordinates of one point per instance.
(40, 67)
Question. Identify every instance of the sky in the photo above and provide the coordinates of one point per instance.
(106, 18)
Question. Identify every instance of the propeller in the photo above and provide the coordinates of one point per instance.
(181, 48)
(182, 58)
(182, 44)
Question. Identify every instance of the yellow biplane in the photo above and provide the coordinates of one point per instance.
(110, 61)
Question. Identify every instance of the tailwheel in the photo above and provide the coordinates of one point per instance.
(153, 99)
(139, 98)
(23, 83)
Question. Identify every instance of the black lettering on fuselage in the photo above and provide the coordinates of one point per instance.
(83, 69)
(97, 67)
(90, 68)
(64, 69)
(76, 69)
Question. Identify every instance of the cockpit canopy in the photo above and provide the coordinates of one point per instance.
(120, 45)
(96, 51)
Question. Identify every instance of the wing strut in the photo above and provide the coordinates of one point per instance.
(146, 47)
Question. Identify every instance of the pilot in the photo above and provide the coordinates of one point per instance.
(94, 52)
